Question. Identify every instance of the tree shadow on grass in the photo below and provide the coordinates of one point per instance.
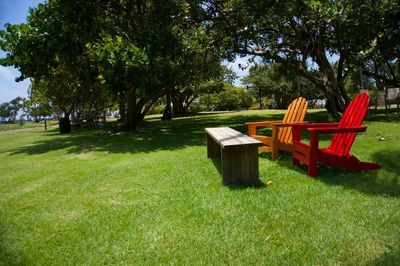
(151, 136)
(373, 182)
(384, 182)
(388, 258)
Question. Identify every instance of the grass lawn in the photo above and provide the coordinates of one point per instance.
(153, 197)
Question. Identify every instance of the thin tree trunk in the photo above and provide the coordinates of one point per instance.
(131, 101)
(167, 111)
(122, 108)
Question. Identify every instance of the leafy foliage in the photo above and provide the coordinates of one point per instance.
(297, 33)
(5, 112)
(228, 99)
(209, 77)
(277, 82)
(10, 110)
(137, 50)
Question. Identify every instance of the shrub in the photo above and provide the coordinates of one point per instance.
(230, 98)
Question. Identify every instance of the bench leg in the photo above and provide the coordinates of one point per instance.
(213, 149)
(239, 165)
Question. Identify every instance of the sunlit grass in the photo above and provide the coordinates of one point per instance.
(21, 125)
(153, 197)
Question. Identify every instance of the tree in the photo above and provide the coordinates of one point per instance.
(5, 112)
(38, 111)
(50, 49)
(15, 106)
(200, 76)
(10, 110)
(153, 55)
(119, 45)
(275, 81)
(302, 35)
(382, 60)
(226, 99)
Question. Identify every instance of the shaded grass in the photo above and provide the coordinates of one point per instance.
(152, 197)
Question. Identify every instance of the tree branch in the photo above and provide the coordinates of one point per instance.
(393, 82)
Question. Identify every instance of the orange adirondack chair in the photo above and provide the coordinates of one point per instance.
(281, 138)
(337, 153)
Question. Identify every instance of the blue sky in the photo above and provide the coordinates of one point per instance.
(14, 12)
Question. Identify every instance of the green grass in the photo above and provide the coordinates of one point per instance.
(153, 197)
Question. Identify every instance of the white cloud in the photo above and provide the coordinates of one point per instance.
(7, 73)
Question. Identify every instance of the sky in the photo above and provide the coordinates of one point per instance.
(15, 12)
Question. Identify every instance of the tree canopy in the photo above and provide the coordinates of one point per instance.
(137, 50)
(303, 35)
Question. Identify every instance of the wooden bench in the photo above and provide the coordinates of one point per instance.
(238, 152)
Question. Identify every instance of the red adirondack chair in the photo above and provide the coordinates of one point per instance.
(337, 153)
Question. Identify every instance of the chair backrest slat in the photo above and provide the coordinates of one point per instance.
(353, 116)
(296, 112)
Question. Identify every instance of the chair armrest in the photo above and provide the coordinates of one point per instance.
(302, 126)
(315, 132)
(263, 123)
(297, 128)
(252, 126)
(338, 130)
(290, 124)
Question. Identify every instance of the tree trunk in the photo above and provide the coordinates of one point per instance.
(344, 94)
(182, 101)
(65, 123)
(136, 110)
(167, 111)
(179, 109)
(334, 102)
(130, 124)
(122, 109)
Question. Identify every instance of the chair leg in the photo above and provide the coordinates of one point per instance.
(295, 161)
(312, 156)
(252, 130)
(274, 152)
(274, 146)
(312, 167)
